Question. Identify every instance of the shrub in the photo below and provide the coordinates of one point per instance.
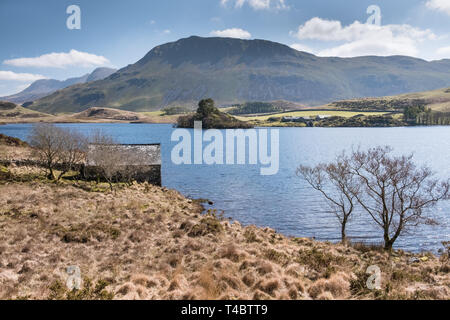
(336, 285)
(90, 291)
(211, 118)
(270, 286)
(230, 252)
(277, 257)
(169, 111)
(358, 285)
(55, 146)
(255, 108)
(206, 226)
(250, 236)
(318, 259)
(11, 141)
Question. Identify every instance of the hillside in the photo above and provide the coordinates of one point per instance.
(100, 74)
(44, 87)
(106, 114)
(234, 71)
(148, 242)
(437, 100)
(11, 111)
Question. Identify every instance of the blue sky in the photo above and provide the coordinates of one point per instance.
(118, 33)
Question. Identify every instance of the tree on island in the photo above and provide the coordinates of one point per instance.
(206, 107)
(392, 190)
(211, 118)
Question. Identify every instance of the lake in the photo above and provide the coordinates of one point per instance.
(283, 201)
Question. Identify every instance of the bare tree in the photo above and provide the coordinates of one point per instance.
(47, 144)
(57, 147)
(394, 191)
(337, 184)
(104, 155)
(73, 151)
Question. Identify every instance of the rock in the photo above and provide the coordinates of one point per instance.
(413, 260)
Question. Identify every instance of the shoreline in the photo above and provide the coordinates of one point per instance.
(256, 125)
(152, 243)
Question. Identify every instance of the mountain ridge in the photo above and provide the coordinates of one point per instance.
(235, 71)
(44, 87)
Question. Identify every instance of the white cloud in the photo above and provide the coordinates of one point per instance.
(329, 30)
(444, 52)
(364, 39)
(440, 5)
(301, 47)
(167, 31)
(369, 47)
(60, 60)
(258, 4)
(22, 87)
(22, 77)
(12, 90)
(232, 33)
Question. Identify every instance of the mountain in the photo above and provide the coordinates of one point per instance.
(44, 87)
(100, 74)
(234, 71)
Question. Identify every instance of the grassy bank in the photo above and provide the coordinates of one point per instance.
(147, 242)
(10, 113)
(311, 114)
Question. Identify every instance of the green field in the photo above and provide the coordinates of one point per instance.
(152, 113)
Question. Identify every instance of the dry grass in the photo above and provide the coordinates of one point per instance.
(146, 242)
(336, 287)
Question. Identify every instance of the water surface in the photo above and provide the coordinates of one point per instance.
(283, 201)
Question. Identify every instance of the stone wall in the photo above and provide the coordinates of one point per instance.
(150, 174)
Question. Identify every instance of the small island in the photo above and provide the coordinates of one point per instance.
(211, 118)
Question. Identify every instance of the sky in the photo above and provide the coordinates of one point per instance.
(49, 39)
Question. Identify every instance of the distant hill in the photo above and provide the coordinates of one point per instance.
(100, 74)
(10, 110)
(437, 100)
(106, 114)
(44, 87)
(234, 71)
(12, 113)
